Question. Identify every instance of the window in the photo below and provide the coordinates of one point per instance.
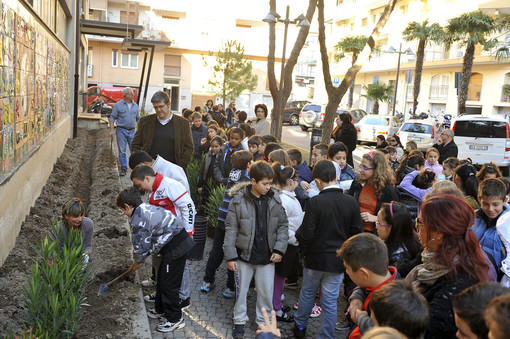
(129, 60)
(481, 129)
(363, 22)
(115, 58)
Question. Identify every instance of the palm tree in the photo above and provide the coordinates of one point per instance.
(378, 92)
(353, 45)
(424, 33)
(470, 29)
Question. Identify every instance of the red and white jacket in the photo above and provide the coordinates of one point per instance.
(173, 196)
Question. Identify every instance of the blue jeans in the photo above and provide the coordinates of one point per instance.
(329, 284)
(124, 137)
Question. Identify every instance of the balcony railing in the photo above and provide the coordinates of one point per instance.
(474, 92)
(438, 92)
(173, 71)
(505, 93)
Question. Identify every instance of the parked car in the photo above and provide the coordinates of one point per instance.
(372, 125)
(292, 110)
(313, 113)
(483, 139)
(423, 132)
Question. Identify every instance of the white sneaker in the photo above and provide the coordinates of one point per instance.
(148, 283)
(150, 298)
(151, 313)
(167, 326)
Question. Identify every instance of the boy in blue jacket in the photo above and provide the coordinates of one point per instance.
(493, 201)
(158, 231)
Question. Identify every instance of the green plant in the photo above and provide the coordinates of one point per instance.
(56, 287)
(194, 170)
(506, 89)
(214, 200)
(378, 92)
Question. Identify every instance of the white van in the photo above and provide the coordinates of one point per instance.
(484, 139)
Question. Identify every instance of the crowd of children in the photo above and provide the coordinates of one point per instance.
(423, 243)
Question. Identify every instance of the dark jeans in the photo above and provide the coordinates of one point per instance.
(215, 260)
(167, 288)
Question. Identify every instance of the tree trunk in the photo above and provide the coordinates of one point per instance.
(467, 65)
(286, 83)
(335, 94)
(375, 109)
(420, 54)
(351, 92)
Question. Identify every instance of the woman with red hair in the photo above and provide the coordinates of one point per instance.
(452, 259)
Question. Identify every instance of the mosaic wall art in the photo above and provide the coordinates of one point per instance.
(34, 83)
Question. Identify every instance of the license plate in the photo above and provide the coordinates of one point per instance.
(414, 138)
(478, 148)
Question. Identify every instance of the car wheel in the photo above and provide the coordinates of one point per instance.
(304, 128)
(294, 120)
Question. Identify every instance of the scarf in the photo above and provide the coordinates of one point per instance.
(428, 272)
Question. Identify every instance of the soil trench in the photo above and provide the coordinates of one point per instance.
(86, 169)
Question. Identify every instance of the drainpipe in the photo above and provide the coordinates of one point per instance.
(76, 69)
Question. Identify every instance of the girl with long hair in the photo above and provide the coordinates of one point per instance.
(452, 259)
(380, 141)
(286, 180)
(395, 142)
(395, 227)
(346, 133)
(465, 179)
(409, 164)
(373, 187)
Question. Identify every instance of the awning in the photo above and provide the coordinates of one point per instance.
(110, 29)
(140, 44)
(490, 7)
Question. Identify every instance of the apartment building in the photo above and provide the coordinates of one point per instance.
(489, 82)
(193, 28)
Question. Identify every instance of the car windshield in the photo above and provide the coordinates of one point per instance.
(480, 129)
(315, 108)
(417, 128)
(375, 121)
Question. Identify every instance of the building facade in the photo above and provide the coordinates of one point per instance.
(488, 89)
(194, 28)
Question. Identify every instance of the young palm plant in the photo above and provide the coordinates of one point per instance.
(378, 92)
(56, 288)
(214, 200)
(425, 33)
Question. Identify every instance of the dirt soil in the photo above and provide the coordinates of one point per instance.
(86, 169)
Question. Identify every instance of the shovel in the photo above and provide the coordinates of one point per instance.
(104, 287)
(111, 149)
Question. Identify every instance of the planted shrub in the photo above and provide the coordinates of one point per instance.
(194, 170)
(56, 287)
(214, 201)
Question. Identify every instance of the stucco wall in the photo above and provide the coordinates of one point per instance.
(21, 187)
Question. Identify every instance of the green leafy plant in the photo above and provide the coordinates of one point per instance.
(56, 287)
(194, 170)
(214, 200)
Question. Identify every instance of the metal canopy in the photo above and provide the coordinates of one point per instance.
(110, 29)
(144, 46)
(140, 44)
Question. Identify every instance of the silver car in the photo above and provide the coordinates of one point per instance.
(373, 125)
(423, 132)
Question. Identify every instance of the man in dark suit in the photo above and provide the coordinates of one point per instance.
(164, 133)
(446, 146)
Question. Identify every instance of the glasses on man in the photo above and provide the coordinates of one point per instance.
(158, 107)
(364, 169)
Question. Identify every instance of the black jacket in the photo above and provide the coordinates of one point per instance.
(450, 150)
(388, 194)
(439, 297)
(349, 136)
(330, 219)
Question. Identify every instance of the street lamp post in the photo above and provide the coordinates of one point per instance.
(273, 17)
(408, 51)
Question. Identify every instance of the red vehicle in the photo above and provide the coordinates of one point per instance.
(110, 95)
